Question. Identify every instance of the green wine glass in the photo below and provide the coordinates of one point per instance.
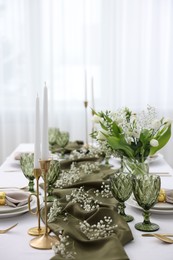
(121, 187)
(52, 176)
(62, 140)
(146, 189)
(27, 166)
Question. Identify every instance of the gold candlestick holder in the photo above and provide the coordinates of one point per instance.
(45, 241)
(93, 126)
(86, 123)
(36, 231)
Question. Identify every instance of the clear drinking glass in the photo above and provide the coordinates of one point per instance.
(121, 187)
(27, 166)
(146, 189)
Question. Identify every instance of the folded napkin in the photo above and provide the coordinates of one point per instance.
(14, 198)
(68, 148)
(88, 203)
(169, 196)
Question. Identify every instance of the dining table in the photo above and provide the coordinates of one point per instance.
(15, 244)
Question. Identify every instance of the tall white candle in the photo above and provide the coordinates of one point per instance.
(92, 93)
(37, 134)
(85, 85)
(45, 145)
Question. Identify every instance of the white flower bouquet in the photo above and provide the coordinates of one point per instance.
(132, 135)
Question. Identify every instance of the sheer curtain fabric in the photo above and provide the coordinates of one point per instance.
(125, 46)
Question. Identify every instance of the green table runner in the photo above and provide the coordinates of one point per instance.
(82, 205)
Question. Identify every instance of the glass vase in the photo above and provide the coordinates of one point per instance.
(135, 167)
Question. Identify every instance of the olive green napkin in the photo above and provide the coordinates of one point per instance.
(68, 148)
(109, 248)
(73, 214)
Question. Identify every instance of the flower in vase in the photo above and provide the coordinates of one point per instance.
(133, 135)
(154, 143)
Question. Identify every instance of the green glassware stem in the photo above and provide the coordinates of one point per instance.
(50, 189)
(146, 214)
(31, 185)
(121, 211)
(121, 208)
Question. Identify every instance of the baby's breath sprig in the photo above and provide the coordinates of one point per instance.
(85, 153)
(101, 229)
(82, 197)
(65, 248)
(68, 177)
(55, 211)
(105, 191)
(89, 168)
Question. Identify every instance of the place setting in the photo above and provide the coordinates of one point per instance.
(14, 202)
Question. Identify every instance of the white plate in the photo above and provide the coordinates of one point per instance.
(23, 210)
(154, 157)
(158, 209)
(163, 206)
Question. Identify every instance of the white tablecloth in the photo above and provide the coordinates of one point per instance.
(15, 243)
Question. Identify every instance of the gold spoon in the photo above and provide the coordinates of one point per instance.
(164, 238)
(153, 234)
(3, 231)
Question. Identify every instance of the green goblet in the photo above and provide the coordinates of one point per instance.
(62, 140)
(52, 176)
(121, 187)
(27, 166)
(146, 189)
(52, 136)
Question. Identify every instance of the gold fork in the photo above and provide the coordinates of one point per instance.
(3, 231)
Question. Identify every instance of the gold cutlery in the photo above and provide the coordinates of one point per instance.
(164, 238)
(153, 234)
(3, 231)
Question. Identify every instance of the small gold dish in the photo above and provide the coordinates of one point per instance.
(2, 198)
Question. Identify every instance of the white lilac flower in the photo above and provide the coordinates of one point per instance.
(101, 136)
(96, 119)
(156, 124)
(154, 143)
(167, 121)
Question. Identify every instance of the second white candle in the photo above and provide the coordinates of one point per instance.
(45, 145)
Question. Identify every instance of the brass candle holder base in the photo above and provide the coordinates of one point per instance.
(43, 242)
(86, 123)
(35, 231)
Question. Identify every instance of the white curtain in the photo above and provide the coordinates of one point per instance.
(125, 45)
